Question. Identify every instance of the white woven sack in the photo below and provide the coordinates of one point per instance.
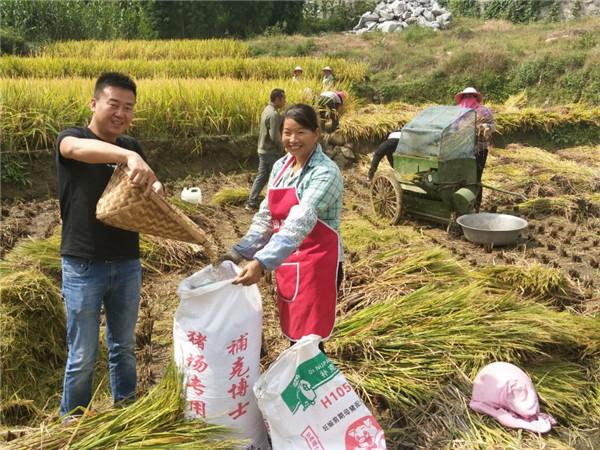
(308, 404)
(217, 338)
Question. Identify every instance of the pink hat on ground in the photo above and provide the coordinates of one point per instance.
(506, 393)
(469, 90)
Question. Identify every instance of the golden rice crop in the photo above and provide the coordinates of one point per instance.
(35, 110)
(154, 421)
(157, 49)
(265, 68)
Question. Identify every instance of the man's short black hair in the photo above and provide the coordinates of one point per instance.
(115, 79)
(277, 93)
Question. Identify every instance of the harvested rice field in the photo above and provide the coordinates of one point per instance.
(422, 311)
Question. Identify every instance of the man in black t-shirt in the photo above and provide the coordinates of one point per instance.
(100, 264)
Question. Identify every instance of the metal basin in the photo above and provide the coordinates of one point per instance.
(492, 228)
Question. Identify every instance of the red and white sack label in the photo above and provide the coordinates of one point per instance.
(309, 404)
(217, 337)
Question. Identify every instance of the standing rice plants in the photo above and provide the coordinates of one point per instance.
(263, 68)
(35, 110)
(32, 348)
(146, 49)
(154, 421)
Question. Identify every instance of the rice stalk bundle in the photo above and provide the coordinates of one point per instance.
(563, 205)
(231, 196)
(374, 123)
(535, 281)
(568, 390)
(154, 421)
(43, 254)
(585, 155)
(35, 110)
(538, 172)
(358, 235)
(157, 255)
(262, 68)
(147, 49)
(32, 342)
(400, 271)
(402, 348)
(166, 255)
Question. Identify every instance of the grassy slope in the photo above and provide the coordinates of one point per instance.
(555, 63)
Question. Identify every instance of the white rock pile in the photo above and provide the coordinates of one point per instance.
(395, 15)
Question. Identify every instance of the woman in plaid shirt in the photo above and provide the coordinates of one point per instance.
(295, 231)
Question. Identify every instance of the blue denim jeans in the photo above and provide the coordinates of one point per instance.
(265, 164)
(87, 285)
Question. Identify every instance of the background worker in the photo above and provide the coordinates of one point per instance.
(100, 264)
(297, 74)
(470, 98)
(328, 80)
(387, 149)
(330, 105)
(269, 145)
(295, 232)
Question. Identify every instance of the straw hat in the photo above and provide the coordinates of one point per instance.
(297, 69)
(327, 68)
(469, 90)
(123, 205)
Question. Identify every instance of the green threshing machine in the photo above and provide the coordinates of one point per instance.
(435, 173)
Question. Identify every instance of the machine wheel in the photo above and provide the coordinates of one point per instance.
(386, 197)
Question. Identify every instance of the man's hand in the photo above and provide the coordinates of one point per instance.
(158, 187)
(250, 274)
(140, 172)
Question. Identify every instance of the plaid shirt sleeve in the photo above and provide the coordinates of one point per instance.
(320, 195)
(260, 230)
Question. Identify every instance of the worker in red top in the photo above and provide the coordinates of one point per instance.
(470, 98)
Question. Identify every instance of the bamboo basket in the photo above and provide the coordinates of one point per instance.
(123, 205)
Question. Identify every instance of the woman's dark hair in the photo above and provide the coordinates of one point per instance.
(303, 114)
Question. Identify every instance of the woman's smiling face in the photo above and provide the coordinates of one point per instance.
(298, 140)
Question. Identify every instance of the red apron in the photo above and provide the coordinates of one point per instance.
(307, 280)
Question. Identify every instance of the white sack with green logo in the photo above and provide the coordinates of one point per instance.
(217, 335)
(308, 404)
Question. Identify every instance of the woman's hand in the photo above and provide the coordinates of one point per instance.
(250, 274)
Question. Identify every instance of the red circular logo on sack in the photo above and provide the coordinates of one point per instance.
(365, 434)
